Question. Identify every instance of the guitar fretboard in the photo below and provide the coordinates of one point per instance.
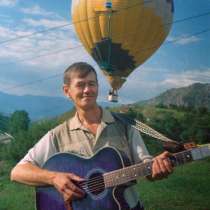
(130, 173)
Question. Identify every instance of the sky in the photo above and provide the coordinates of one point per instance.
(33, 65)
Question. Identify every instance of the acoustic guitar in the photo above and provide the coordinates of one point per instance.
(107, 175)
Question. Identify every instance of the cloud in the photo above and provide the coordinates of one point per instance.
(187, 78)
(183, 40)
(6, 33)
(150, 82)
(38, 11)
(45, 23)
(54, 44)
(8, 3)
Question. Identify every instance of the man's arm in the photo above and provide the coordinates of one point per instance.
(161, 166)
(29, 170)
(30, 174)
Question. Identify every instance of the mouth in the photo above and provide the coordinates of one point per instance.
(88, 97)
(92, 96)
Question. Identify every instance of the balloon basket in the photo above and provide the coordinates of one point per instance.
(113, 96)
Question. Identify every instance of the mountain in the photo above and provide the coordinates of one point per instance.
(38, 107)
(195, 95)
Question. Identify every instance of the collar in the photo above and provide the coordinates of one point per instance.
(74, 122)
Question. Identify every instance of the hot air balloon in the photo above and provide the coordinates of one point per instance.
(121, 34)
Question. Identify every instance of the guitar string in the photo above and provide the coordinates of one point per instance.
(111, 177)
(98, 188)
(101, 186)
(97, 183)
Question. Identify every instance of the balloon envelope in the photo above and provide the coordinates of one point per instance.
(121, 34)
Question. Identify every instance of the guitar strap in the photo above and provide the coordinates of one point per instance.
(124, 119)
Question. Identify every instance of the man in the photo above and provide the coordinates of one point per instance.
(91, 129)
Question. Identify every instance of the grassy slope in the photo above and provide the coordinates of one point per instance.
(187, 189)
(14, 196)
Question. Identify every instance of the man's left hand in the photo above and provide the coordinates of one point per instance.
(161, 166)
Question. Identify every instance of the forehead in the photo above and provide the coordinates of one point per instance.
(76, 77)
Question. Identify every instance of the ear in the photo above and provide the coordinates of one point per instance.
(66, 91)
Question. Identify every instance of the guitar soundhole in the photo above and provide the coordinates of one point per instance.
(95, 184)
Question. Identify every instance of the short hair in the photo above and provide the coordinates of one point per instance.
(82, 69)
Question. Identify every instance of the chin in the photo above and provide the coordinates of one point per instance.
(89, 105)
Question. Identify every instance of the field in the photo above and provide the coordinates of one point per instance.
(188, 188)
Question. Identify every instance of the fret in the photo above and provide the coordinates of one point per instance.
(127, 174)
(181, 158)
(147, 170)
(130, 173)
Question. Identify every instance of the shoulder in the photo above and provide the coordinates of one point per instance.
(107, 116)
(61, 128)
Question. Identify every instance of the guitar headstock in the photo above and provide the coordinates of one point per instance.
(202, 151)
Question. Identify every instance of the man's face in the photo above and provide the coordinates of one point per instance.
(82, 91)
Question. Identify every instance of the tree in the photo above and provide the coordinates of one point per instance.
(3, 123)
(19, 121)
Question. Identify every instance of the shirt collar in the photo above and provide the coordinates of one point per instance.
(107, 116)
(74, 122)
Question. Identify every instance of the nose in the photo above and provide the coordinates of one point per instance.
(87, 88)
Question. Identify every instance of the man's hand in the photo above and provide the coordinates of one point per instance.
(65, 184)
(161, 166)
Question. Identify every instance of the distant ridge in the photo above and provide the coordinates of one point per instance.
(38, 107)
(195, 95)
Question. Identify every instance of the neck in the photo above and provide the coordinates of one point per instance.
(90, 116)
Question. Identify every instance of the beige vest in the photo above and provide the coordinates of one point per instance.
(72, 137)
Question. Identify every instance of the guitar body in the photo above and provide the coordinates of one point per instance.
(97, 197)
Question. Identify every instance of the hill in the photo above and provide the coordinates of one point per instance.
(38, 107)
(196, 95)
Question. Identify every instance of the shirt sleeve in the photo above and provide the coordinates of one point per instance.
(41, 151)
(137, 146)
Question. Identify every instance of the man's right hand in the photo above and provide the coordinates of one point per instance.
(65, 184)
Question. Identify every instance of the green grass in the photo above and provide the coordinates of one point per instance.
(14, 196)
(188, 188)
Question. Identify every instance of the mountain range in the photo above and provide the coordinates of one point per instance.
(38, 107)
(195, 95)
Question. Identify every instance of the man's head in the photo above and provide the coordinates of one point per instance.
(80, 69)
(81, 85)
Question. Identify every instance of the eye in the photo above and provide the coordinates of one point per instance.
(92, 84)
(80, 85)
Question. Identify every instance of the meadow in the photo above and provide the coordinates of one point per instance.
(188, 188)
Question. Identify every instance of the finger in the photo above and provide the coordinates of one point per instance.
(70, 195)
(162, 168)
(155, 169)
(165, 166)
(168, 165)
(159, 169)
(165, 154)
(75, 177)
(71, 186)
(68, 206)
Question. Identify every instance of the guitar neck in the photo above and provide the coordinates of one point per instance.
(124, 175)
